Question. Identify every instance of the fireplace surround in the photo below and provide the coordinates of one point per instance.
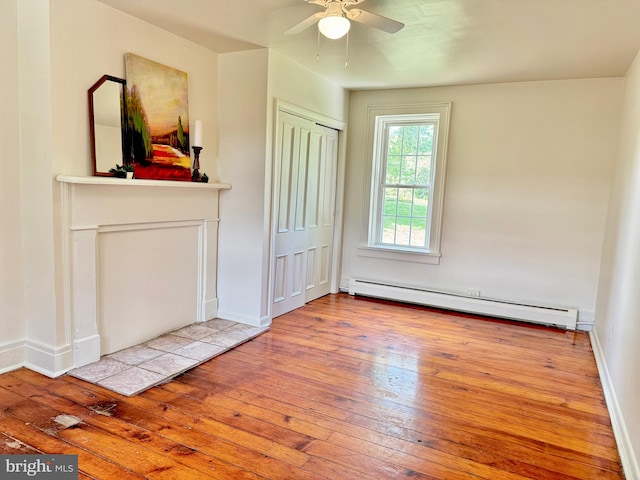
(139, 257)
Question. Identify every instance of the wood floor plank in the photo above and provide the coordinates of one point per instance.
(539, 410)
(93, 465)
(11, 446)
(398, 427)
(99, 442)
(106, 420)
(438, 360)
(213, 409)
(327, 387)
(203, 435)
(482, 361)
(514, 457)
(372, 467)
(189, 429)
(340, 366)
(344, 387)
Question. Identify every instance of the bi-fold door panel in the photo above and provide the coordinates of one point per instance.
(305, 169)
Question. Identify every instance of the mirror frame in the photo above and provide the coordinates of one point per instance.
(123, 117)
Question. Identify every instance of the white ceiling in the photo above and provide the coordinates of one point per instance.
(444, 42)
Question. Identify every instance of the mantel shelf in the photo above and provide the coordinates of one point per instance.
(140, 183)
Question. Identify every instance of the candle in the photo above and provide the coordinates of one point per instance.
(197, 134)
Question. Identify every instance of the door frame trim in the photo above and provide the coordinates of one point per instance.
(326, 121)
(298, 111)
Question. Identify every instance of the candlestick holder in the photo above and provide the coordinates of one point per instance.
(195, 176)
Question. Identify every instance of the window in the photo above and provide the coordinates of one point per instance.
(407, 184)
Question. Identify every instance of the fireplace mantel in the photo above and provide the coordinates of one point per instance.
(140, 183)
(140, 259)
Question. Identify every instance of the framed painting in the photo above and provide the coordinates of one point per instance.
(157, 120)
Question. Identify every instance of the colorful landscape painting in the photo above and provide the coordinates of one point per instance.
(158, 120)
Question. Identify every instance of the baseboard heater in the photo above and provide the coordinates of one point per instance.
(547, 315)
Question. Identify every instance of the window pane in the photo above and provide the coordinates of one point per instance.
(390, 201)
(401, 223)
(394, 146)
(388, 229)
(405, 199)
(422, 196)
(425, 145)
(418, 232)
(423, 170)
(410, 141)
(403, 230)
(408, 172)
(393, 169)
(419, 207)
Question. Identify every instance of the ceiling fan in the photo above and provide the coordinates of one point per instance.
(334, 23)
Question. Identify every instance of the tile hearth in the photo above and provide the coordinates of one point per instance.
(157, 361)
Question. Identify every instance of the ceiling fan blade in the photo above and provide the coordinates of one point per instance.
(374, 20)
(305, 23)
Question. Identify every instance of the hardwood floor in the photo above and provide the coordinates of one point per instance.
(344, 388)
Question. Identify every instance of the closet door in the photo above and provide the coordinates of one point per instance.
(305, 178)
(321, 194)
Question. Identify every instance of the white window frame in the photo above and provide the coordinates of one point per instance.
(379, 119)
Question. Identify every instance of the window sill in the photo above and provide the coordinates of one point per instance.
(399, 254)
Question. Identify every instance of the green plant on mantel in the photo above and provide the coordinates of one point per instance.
(120, 171)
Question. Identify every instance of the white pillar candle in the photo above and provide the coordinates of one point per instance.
(197, 134)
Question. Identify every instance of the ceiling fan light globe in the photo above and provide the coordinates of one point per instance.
(334, 27)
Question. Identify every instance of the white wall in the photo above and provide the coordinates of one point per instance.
(617, 332)
(64, 47)
(295, 84)
(527, 186)
(43, 335)
(250, 82)
(242, 119)
(12, 323)
(89, 39)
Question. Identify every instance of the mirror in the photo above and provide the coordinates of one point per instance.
(107, 127)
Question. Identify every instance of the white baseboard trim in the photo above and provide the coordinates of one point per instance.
(210, 309)
(86, 350)
(246, 319)
(265, 321)
(11, 356)
(625, 448)
(47, 360)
